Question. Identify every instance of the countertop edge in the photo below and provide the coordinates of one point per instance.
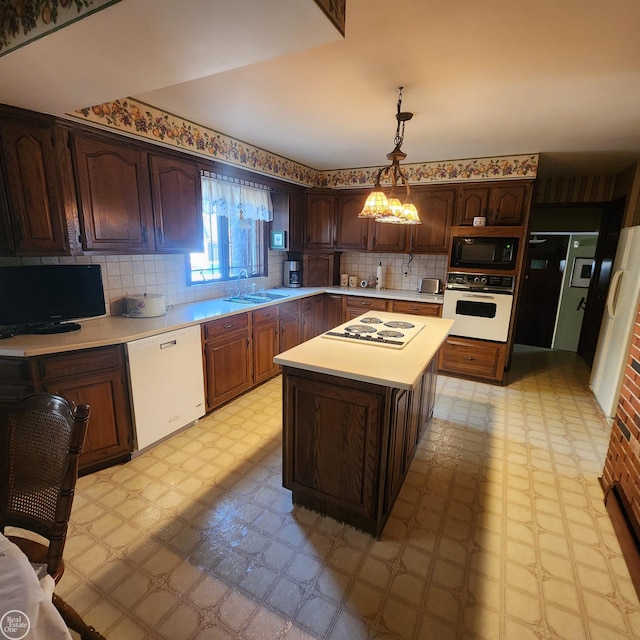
(113, 330)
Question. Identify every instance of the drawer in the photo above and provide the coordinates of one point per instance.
(15, 369)
(417, 308)
(73, 363)
(473, 358)
(265, 315)
(361, 302)
(289, 307)
(225, 326)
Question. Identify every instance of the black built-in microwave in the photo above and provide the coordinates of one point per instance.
(483, 252)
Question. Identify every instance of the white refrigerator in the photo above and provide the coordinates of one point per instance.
(616, 330)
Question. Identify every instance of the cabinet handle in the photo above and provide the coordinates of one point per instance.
(469, 358)
(228, 326)
(364, 303)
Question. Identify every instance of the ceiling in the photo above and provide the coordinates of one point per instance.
(489, 78)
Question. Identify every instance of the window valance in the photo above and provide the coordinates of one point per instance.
(235, 200)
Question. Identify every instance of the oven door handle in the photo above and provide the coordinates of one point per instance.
(483, 296)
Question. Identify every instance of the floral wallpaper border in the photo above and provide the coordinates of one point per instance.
(23, 21)
(137, 118)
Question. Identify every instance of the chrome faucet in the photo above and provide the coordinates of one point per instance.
(246, 275)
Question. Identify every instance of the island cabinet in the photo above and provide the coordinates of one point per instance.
(96, 377)
(504, 203)
(32, 213)
(228, 358)
(353, 414)
(347, 445)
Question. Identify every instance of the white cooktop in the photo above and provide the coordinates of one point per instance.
(374, 330)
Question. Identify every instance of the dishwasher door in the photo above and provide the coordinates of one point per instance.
(167, 383)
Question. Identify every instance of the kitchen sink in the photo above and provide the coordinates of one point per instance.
(256, 298)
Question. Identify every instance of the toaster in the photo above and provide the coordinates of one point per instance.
(429, 285)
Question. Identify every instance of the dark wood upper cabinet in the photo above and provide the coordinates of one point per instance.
(435, 208)
(319, 221)
(34, 218)
(352, 233)
(177, 204)
(508, 204)
(501, 204)
(388, 237)
(114, 196)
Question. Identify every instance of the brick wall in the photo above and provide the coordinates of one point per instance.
(622, 464)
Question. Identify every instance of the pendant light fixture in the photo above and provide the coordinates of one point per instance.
(391, 209)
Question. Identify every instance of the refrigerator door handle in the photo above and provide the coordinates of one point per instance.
(612, 297)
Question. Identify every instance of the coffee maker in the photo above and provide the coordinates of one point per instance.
(292, 276)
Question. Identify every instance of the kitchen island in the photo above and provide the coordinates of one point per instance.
(353, 413)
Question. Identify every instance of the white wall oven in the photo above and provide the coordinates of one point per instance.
(480, 305)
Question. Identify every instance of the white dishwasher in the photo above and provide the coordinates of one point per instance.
(167, 383)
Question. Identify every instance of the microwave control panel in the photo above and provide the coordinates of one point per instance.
(480, 282)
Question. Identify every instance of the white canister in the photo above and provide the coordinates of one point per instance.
(344, 279)
(353, 281)
(148, 305)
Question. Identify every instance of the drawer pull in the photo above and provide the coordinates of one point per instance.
(469, 358)
(228, 326)
(364, 303)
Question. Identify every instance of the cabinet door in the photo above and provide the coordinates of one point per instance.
(227, 367)
(318, 269)
(396, 453)
(265, 348)
(388, 238)
(114, 196)
(507, 204)
(32, 184)
(472, 202)
(290, 332)
(177, 204)
(435, 207)
(332, 312)
(319, 221)
(95, 377)
(311, 321)
(351, 232)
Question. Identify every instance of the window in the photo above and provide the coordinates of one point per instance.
(235, 220)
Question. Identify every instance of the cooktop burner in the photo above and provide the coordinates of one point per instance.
(392, 333)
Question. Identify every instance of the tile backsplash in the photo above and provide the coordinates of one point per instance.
(401, 271)
(124, 275)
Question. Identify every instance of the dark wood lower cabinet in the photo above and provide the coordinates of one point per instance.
(96, 377)
(347, 445)
(227, 355)
(474, 359)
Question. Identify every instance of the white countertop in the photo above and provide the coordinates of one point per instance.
(400, 368)
(108, 330)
